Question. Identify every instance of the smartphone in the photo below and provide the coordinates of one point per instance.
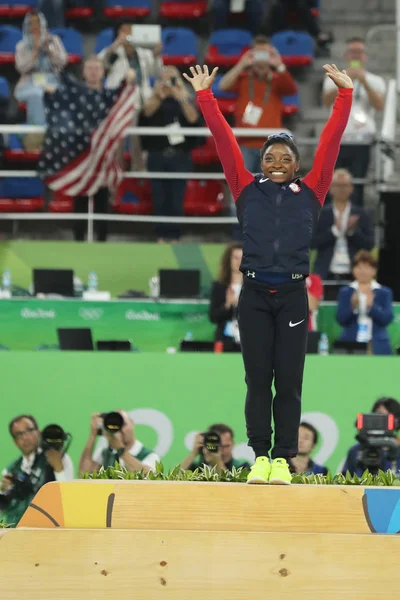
(261, 55)
(355, 64)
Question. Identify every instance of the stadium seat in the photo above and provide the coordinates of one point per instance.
(133, 197)
(104, 38)
(206, 154)
(180, 46)
(9, 38)
(291, 104)
(295, 47)
(124, 9)
(15, 152)
(183, 9)
(4, 93)
(72, 41)
(203, 198)
(226, 46)
(226, 100)
(21, 195)
(16, 9)
(61, 203)
(78, 10)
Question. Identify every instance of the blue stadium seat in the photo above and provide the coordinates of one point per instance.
(295, 47)
(291, 104)
(104, 38)
(183, 9)
(21, 195)
(9, 38)
(226, 100)
(227, 45)
(126, 9)
(16, 9)
(4, 90)
(73, 43)
(180, 46)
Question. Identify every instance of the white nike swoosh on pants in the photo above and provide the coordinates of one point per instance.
(295, 324)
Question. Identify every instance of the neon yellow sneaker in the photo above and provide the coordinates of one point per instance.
(280, 473)
(260, 471)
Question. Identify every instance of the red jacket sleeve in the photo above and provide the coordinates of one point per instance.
(320, 177)
(237, 176)
(285, 84)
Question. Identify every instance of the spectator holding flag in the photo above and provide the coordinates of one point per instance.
(85, 126)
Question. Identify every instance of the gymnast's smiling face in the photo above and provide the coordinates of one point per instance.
(279, 163)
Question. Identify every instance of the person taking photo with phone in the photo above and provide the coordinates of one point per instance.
(261, 80)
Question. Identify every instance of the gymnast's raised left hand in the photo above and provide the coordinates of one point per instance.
(201, 80)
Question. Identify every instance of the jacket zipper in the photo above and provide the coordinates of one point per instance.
(277, 223)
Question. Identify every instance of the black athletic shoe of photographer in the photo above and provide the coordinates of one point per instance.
(378, 439)
(214, 448)
(43, 459)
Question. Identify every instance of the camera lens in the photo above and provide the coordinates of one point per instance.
(53, 436)
(113, 422)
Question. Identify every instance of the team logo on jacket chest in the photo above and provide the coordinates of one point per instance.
(295, 188)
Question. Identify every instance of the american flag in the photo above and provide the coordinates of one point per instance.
(84, 131)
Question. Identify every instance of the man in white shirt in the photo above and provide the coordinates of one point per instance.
(121, 447)
(342, 230)
(23, 478)
(368, 97)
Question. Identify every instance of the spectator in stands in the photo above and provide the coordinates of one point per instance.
(121, 447)
(171, 107)
(23, 478)
(355, 462)
(369, 97)
(39, 57)
(93, 75)
(250, 19)
(315, 293)
(54, 11)
(342, 230)
(225, 294)
(261, 80)
(122, 55)
(365, 307)
(280, 19)
(222, 459)
(303, 463)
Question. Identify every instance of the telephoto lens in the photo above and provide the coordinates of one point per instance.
(113, 422)
(53, 438)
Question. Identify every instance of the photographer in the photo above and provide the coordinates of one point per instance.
(118, 444)
(356, 461)
(217, 453)
(22, 479)
(261, 80)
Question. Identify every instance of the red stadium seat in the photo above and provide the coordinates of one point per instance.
(183, 10)
(61, 203)
(77, 13)
(127, 9)
(207, 154)
(133, 197)
(203, 198)
(21, 156)
(14, 11)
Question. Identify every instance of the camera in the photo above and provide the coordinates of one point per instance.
(112, 422)
(53, 437)
(21, 489)
(377, 438)
(261, 55)
(173, 81)
(212, 441)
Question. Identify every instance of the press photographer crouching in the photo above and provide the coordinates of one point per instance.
(44, 459)
(214, 448)
(378, 440)
(116, 444)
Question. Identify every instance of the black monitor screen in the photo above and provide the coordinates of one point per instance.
(53, 281)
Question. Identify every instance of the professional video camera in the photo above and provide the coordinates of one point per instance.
(112, 423)
(377, 438)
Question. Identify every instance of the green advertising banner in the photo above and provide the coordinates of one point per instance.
(29, 324)
(172, 396)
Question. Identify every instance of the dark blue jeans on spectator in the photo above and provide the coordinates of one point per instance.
(169, 194)
(254, 10)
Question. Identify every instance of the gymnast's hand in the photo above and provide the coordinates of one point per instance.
(340, 78)
(201, 79)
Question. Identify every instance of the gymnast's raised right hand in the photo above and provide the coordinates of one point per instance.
(201, 80)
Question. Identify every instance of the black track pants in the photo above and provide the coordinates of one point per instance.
(273, 332)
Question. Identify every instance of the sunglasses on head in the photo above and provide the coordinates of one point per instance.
(283, 136)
